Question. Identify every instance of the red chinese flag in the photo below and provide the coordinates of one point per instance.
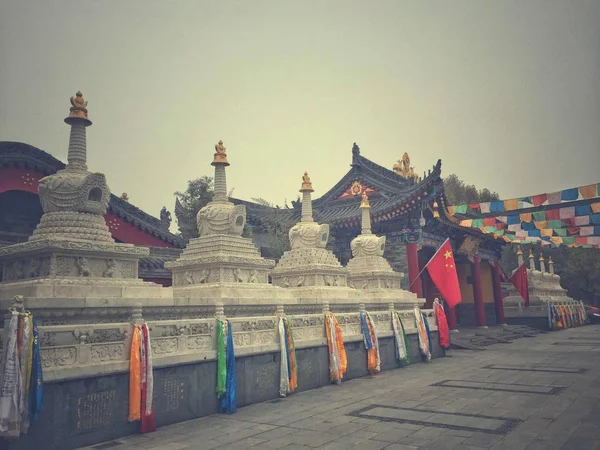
(519, 280)
(442, 271)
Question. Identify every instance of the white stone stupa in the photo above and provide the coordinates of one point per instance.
(368, 268)
(308, 263)
(220, 254)
(72, 253)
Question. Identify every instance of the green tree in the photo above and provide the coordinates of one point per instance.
(275, 224)
(198, 194)
(459, 193)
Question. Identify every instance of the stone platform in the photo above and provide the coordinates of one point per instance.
(530, 394)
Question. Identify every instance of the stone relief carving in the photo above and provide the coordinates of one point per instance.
(58, 357)
(199, 343)
(286, 282)
(128, 269)
(108, 352)
(43, 244)
(18, 270)
(204, 276)
(188, 277)
(34, 270)
(252, 278)
(83, 267)
(163, 345)
(237, 276)
(300, 281)
(111, 265)
(241, 339)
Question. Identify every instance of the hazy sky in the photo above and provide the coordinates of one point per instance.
(506, 93)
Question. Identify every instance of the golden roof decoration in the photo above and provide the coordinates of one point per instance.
(404, 169)
(79, 107)
(306, 183)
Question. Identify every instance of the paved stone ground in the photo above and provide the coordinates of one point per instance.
(566, 419)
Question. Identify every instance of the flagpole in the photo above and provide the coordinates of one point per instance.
(430, 259)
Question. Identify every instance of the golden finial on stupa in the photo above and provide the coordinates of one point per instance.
(365, 201)
(519, 251)
(79, 107)
(306, 183)
(531, 255)
(541, 258)
(220, 155)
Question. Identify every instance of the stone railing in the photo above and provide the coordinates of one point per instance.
(85, 350)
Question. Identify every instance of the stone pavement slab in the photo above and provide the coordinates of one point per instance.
(411, 408)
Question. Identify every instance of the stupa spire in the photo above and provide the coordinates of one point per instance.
(306, 190)
(78, 120)
(365, 208)
(220, 162)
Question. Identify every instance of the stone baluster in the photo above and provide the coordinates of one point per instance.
(542, 263)
(391, 307)
(279, 312)
(361, 307)
(135, 318)
(220, 311)
(531, 260)
(326, 307)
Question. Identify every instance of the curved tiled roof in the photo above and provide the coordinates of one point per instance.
(18, 154)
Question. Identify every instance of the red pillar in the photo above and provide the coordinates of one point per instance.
(498, 301)
(451, 317)
(413, 269)
(478, 292)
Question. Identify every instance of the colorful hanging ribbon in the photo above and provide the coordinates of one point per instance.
(371, 342)
(226, 379)
(442, 324)
(400, 339)
(338, 363)
(422, 332)
(289, 371)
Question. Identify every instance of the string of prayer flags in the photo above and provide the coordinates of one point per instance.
(289, 370)
(402, 354)
(338, 363)
(371, 343)
(595, 207)
(424, 346)
(589, 191)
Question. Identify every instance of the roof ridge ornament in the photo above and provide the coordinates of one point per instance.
(404, 169)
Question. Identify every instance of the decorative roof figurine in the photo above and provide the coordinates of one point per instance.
(125, 197)
(165, 218)
(403, 168)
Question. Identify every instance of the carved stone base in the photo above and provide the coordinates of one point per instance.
(72, 225)
(219, 259)
(375, 280)
(70, 262)
(302, 267)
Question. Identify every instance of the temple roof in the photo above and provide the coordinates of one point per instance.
(21, 155)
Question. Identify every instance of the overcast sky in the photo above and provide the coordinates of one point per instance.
(506, 93)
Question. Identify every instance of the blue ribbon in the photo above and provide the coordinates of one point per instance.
(36, 387)
(229, 401)
(365, 329)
